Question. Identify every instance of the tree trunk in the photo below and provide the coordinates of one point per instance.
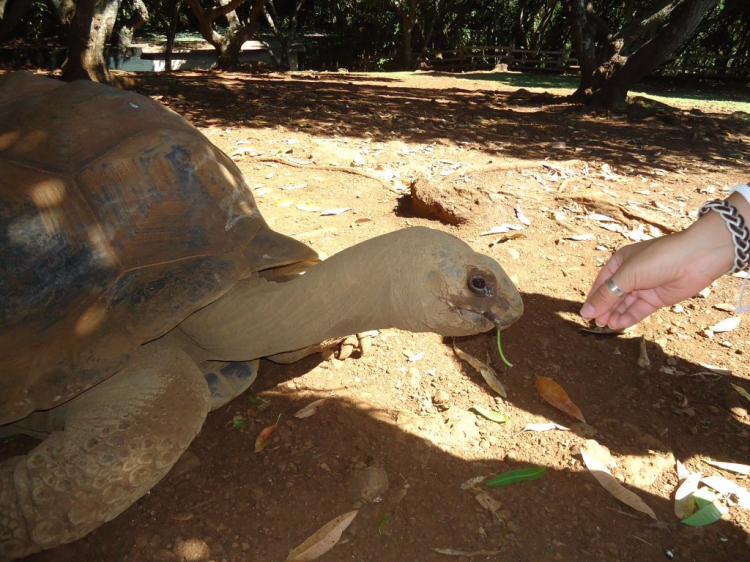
(11, 14)
(612, 63)
(124, 35)
(88, 37)
(229, 56)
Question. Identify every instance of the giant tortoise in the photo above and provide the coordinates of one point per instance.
(140, 285)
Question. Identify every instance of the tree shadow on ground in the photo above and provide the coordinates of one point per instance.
(248, 506)
(498, 122)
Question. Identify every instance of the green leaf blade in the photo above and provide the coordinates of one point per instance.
(515, 476)
(496, 417)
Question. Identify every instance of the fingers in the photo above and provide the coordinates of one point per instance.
(600, 303)
(636, 311)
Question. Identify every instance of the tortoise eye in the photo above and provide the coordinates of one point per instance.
(478, 284)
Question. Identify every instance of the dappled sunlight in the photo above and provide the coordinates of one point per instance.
(494, 118)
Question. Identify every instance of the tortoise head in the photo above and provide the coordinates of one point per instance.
(463, 292)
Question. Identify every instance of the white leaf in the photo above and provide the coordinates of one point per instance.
(322, 540)
(545, 427)
(521, 216)
(310, 409)
(601, 218)
(579, 237)
(292, 187)
(730, 466)
(684, 504)
(726, 325)
(503, 228)
(329, 212)
(724, 486)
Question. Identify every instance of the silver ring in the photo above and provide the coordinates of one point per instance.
(612, 286)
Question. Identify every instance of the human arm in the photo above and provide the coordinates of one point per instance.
(663, 271)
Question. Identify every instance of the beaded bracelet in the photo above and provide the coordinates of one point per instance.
(737, 228)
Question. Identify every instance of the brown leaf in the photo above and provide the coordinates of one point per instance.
(555, 395)
(264, 438)
(610, 483)
(322, 540)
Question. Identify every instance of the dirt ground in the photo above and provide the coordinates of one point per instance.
(397, 439)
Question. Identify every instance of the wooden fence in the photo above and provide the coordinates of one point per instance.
(489, 57)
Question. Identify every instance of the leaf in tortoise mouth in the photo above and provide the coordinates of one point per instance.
(556, 395)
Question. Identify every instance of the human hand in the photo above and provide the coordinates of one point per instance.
(659, 272)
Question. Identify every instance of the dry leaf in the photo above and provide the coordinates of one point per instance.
(521, 216)
(451, 552)
(726, 325)
(643, 361)
(264, 438)
(292, 187)
(684, 503)
(601, 218)
(730, 466)
(487, 372)
(284, 202)
(579, 237)
(329, 212)
(488, 502)
(610, 483)
(322, 540)
(544, 427)
(308, 207)
(724, 486)
(310, 409)
(555, 395)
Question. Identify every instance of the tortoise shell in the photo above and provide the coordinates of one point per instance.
(118, 219)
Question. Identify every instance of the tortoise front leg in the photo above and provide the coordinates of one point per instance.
(119, 439)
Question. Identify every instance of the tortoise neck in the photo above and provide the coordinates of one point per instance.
(351, 292)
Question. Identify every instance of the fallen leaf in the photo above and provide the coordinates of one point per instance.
(726, 325)
(451, 552)
(502, 229)
(264, 438)
(488, 502)
(706, 515)
(599, 453)
(487, 372)
(741, 391)
(496, 417)
(730, 466)
(521, 216)
(284, 202)
(579, 237)
(555, 395)
(413, 357)
(310, 409)
(308, 207)
(724, 486)
(330, 212)
(601, 218)
(711, 509)
(322, 540)
(293, 187)
(515, 476)
(684, 502)
(545, 427)
(610, 483)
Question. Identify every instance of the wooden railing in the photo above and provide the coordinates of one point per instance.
(489, 57)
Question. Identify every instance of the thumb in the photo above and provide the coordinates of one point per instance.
(601, 300)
